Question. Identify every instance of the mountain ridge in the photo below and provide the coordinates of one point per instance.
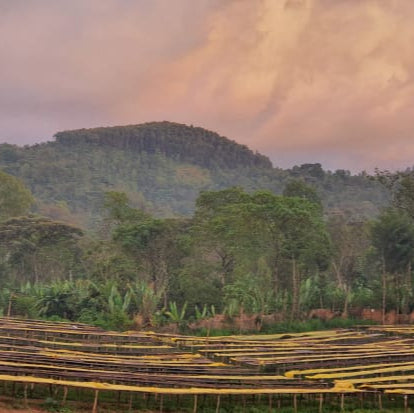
(147, 137)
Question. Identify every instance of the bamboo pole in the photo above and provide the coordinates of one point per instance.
(10, 305)
(130, 402)
(320, 403)
(65, 393)
(218, 404)
(195, 404)
(342, 402)
(25, 396)
(95, 402)
(295, 403)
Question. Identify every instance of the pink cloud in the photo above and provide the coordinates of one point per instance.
(299, 80)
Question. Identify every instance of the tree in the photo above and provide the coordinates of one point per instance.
(35, 246)
(298, 188)
(286, 231)
(392, 237)
(350, 242)
(404, 195)
(155, 245)
(119, 210)
(15, 198)
(214, 224)
(305, 242)
(401, 188)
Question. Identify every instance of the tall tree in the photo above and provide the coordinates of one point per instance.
(213, 226)
(15, 198)
(35, 247)
(392, 236)
(152, 242)
(350, 241)
(288, 231)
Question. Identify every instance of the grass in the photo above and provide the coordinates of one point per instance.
(287, 327)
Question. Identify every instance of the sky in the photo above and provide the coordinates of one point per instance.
(301, 81)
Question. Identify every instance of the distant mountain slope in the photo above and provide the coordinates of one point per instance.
(163, 166)
(173, 140)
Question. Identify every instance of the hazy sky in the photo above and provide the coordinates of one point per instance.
(328, 81)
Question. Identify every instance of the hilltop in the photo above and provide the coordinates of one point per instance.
(173, 140)
(163, 166)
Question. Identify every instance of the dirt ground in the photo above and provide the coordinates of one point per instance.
(7, 409)
(11, 405)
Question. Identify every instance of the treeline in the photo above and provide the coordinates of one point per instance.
(162, 167)
(241, 253)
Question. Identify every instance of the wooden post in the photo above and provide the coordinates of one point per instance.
(130, 401)
(342, 402)
(295, 403)
(25, 396)
(405, 403)
(218, 404)
(10, 305)
(95, 402)
(320, 403)
(65, 393)
(195, 404)
(161, 402)
(380, 401)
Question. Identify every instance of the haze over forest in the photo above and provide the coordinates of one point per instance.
(302, 81)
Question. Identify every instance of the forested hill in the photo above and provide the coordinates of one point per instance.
(173, 140)
(162, 167)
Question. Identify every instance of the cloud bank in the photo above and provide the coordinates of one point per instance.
(327, 81)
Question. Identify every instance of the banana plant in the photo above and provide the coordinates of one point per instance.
(176, 315)
(201, 314)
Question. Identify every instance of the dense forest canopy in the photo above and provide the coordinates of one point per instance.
(182, 143)
(162, 167)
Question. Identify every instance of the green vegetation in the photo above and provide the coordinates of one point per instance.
(162, 167)
(164, 224)
(15, 198)
(245, 261)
